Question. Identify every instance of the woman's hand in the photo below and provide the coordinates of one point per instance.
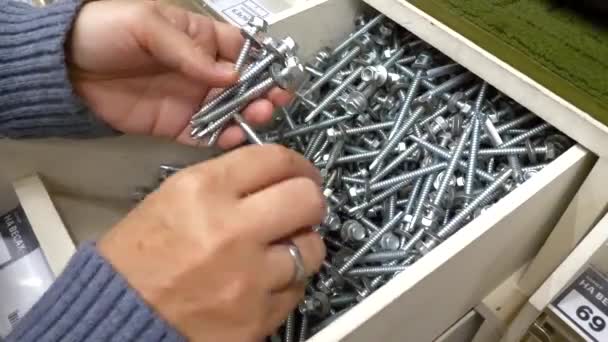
(145, 68)
(206, 250)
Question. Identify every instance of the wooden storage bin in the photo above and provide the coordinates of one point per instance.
(441, 288)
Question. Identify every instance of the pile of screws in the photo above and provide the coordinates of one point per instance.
(263, 63)
(412, 147)
(410, 144)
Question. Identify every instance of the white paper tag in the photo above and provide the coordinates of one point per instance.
(585, 303)
(25, 274)
(239, 11)
(5, 255)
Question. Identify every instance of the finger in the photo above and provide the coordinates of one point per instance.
(225, 37)
(231, 137)
(264, 165)
(230, 41)
(259, 112)
(178, 51)
(282, 209)
(256, 114)
(279, 97)
(281, 263)
(282, 304)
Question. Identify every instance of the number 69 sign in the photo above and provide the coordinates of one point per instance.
(585, 303)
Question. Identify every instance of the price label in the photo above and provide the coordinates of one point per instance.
(239, 12)
(585, 303)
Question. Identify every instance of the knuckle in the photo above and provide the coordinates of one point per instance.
(184, 182)
(199, 179)
(312, 195)
(235, 291)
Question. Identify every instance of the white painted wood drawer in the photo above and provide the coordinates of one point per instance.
(426, 299)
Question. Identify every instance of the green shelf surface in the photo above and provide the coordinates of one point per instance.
(556, 47)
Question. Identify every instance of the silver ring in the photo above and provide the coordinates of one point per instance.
(299, 275)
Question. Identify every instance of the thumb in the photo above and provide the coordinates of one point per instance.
(176, 50)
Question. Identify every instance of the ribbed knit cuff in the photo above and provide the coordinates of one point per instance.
(91, 302)
(36, 96)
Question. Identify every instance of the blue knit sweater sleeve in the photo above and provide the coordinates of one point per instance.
(89, 301)
(36, 97)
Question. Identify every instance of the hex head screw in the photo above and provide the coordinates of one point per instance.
(250, 32)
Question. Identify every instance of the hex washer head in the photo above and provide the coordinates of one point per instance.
(258, 23)
(291, 76)
(365, 42)
(423, 61)
(284, 49)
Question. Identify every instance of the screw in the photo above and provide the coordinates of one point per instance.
(408, 176)
(288, 78)
(290, 327)
(443, 70)
(354, 36)
(389, 241)
(391, 207)
(497, 141)
(375, 271)
(317, 73)
(167, 171)
(333, 95)
(511, 124)
(405, 155)
(384, 256)
(474, 148)
(354, 180)
(305, 129)
(520, 138)
(353, 231)
(456, 222)
(292, 126)
(397, 137)
(329, 282)
(492, 152)
(317, 305)
(342, 300)
(335, 153)
(213, 139)
(303, 336)
(250, 32)
(314, 145)
(444, 87)
(321, 150)
(377, 281)
(332, 221)
(452, 166)
(287, 47)
(426, 188)
(408, 217)
(322, 58)
(333, 133)
(251, 135)
(446, 155)
(364, 43)
(421, 64)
